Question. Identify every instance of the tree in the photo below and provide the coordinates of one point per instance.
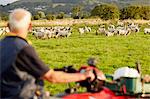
(36, 17)
(85, 14)
(106, 11)
(41, 14)
(145, 12)
(4, 16)
(61, 15)
(135, 12)
(50, 17)
(76, 12)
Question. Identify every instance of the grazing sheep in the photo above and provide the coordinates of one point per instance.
(111, 28)
(134, 27)
(100, 30)
(48, 33)
(39, 35)
(53, 33)
(87, 29)
(84, 30)
(147, 31)
(107, 33)
(123, 32)
(63, 33)
(81, 31)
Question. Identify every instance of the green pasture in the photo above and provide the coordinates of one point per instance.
(112, 52)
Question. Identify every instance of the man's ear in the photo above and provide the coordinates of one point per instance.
(30, 26)
(8, 26)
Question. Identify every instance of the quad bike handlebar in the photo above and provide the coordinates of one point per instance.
(67, 69)
(91, 86)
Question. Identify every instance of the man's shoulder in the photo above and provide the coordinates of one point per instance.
(19, 42)
(15, 43)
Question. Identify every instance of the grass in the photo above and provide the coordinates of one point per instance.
(112, 52)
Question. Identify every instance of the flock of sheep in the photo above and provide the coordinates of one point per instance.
(118, 30)
(66, 31)
(111, 30)
(51, 32)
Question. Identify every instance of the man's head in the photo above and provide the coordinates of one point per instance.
(20, 22)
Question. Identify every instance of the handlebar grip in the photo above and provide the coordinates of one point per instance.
(67, 69)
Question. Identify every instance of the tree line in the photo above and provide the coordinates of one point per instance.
(103, 11)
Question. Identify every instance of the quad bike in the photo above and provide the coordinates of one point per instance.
(123, 88)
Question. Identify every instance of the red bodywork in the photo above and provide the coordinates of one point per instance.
(104, 94)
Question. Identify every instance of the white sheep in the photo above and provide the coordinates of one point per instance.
(101, 30)
(147, 31)
(107, 33)
(81, 31)
(63, 33)
(1, 31)
(123, 32)
(39, 35)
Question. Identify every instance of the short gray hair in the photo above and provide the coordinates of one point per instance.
(21, 21)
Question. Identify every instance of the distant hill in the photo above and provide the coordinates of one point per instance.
(56, 6)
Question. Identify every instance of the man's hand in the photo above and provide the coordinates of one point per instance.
(89, 74)
(94, 71)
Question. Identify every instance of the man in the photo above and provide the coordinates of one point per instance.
(22, 71)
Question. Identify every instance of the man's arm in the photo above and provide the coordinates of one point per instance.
(62, 77)
(29, 61)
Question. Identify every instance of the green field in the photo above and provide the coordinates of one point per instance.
(112, 52)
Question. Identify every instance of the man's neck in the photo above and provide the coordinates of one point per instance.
(18, 34)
